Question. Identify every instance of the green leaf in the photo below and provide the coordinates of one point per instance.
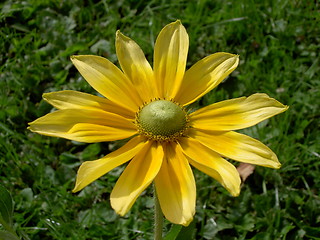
(262, 236)
(91, 151)
(7, 236)
(187, 233)
(173, 233)
(6, 206)
(312, 232)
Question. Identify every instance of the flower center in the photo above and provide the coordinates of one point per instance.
(162, 120)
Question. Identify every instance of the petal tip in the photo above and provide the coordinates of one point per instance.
(45, 96)
(186, 222)
(119, 35)
(117, 208)
(73, 59)
(30, 127)
(175, 24)
(77, 187)
(235, 193)
(277, 165)
(237, 59)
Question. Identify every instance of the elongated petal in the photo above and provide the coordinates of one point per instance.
(135, 65)
(84, 125)
(175, 187)
(237, 146)
(170, 57)
(236, 113)
(91, 170)
(69, 99)
(137, 176)
(212, 164)
(205, 75)
(108, 80)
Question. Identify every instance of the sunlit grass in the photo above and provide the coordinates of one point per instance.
(278, 44)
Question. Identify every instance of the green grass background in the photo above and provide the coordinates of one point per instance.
(278, 42)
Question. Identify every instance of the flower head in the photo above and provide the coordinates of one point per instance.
(148, 106)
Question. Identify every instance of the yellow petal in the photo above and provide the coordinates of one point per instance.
(108, 80)
(212, 164)
(170, 57)
(236, 113)
(136, 177)
(237, 146)
(69, 99)
(84, 125)
(91, 170)
(135, 65)
(175, 186)
(205, 75)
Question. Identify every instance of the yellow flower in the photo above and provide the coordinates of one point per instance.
(148, 106)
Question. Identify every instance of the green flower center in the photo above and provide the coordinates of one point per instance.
(162, 120)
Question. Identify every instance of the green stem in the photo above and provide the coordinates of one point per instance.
(158, 218)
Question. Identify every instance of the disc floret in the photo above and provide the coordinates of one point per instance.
(162, 120)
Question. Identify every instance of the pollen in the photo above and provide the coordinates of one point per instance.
(162, 120)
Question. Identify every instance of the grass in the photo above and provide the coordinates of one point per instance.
(278, 42)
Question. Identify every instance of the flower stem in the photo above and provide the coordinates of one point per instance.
(158, 218)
